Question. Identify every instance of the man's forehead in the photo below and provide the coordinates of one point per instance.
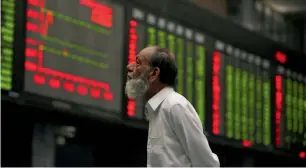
(146, 52)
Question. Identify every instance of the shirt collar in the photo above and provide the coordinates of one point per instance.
(157, 99)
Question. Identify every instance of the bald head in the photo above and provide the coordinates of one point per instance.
(149, 51)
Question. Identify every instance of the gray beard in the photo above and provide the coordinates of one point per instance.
(137, 87)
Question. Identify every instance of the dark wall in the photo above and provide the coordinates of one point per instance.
(96, 143)
(16, 135)
(104, 145)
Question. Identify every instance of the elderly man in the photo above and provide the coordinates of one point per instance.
(175, 131)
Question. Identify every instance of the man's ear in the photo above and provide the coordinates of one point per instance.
(154, 74)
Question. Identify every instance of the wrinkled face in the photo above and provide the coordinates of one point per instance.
(139, 74)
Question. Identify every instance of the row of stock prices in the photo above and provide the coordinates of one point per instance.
(7, 40)
(290, 109)
(73, 50)
(241, 96)
(188, 46)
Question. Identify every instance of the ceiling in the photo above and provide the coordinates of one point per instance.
(292, 9)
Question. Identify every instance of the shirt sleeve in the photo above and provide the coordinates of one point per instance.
(188, 129)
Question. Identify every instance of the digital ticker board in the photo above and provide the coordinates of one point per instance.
(7, 43)
(188, 46)
(290, 109)
(73, 51)
(241, 97)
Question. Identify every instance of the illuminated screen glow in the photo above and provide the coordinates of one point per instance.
(180, 65)
(7, 40)
(200, 81)
(279, 108)
(216, 90)
(131, 105)
(281, 57)
(189, 72)
(241, 102)
(72, 51)
(290, 116)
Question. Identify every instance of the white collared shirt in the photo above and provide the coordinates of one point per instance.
(176, 137)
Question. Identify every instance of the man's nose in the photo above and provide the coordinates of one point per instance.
(130, 67)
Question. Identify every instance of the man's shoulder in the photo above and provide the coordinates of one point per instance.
(177, 105)
(174, 99)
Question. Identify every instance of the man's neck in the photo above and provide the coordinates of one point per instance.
(154, 91)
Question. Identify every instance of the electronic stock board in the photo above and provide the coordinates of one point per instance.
(74, 55)
(7, 28)
(290, 107)
(70, 50)
(241, 88)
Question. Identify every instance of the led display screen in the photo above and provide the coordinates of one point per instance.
(241, 96)
(188, 46)
(7, 41)
(290, 110)
(74, 51)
